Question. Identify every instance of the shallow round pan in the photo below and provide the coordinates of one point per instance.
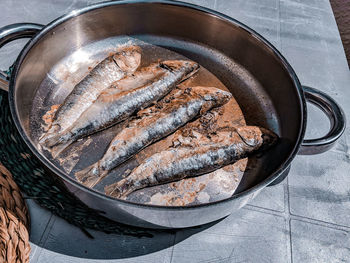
(261, 80)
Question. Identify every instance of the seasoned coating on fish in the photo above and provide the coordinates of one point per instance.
(113, 68)
(152, 124)
(112, 106)
(177, 163)
(202, 131)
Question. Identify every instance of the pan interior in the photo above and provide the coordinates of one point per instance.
(61, 79)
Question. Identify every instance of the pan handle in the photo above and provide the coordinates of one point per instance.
(320, 145)
(337, 119)
(13, 32)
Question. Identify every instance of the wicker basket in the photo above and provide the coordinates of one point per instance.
(14, 221)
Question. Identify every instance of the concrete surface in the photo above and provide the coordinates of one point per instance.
(305, 219)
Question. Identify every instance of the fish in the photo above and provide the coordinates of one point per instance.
(125, 61)
(177, 163)
(152, 124)
(141, 77)
(112, 107)
(200, 131)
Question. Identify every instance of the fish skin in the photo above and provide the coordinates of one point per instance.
(125, 61)
(177, 163)
(152, 124)
(112, 106)
(141, 77)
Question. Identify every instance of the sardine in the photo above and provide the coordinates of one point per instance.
(177, 163)
(112, 106)
(141, 77)
(113, 68)
(152, 124)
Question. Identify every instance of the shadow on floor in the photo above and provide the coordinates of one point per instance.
(63, 238)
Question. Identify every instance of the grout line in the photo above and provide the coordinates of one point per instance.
(279, 27)
(263, 209)
(215, 4)
(320, 222)
(312, 220)
(286, 196)
(308, 220)
(289, 216)
(33, 252)
(39, 245)
(289, 227)
(172, 248)
(290, 240)
(45, 230)
(46, 234)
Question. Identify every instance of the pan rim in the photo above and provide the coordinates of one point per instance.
(273, 176)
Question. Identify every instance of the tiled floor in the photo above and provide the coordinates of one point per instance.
(315, 243)
(249, 236)
(305, 219)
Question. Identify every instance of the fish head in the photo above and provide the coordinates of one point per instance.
(212, 96)
(190, 66)
(128, 58)
(269, 137)
(256, 136)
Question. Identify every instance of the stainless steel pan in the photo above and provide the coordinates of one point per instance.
(234, 53)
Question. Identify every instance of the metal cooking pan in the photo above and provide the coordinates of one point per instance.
(261, 80)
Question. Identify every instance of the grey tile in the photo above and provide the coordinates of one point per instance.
(10, 52)
(33, 251)
(311, 43)
(67, 243)
(317, 122)
(310, 66)
(41, 12)
(247, 236)
(40, 219)
(250, 8)
(50, 256)
(205, 3)
(322, 5)
(271, 198)
(314, 243)
(319, 187)
(303, 44)
(342, 145)
(306, 34)
(262, 16)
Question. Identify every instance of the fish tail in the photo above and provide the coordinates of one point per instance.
(58, 142)
(59, 148)
(50, 133)
(269, 138)
(120, 189)
(54, 143)
(193, 71)
(91, 175)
